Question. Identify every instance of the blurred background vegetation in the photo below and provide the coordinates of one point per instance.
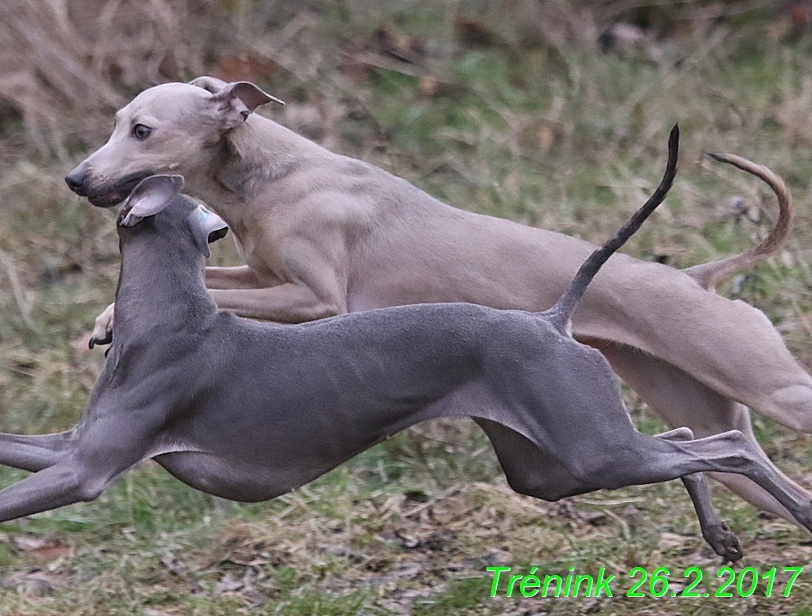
(551, 113)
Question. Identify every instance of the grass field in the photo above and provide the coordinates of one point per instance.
(511, 109)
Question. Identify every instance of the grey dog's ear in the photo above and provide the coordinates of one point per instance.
(236, 101)
(207, 227)
(151, 196)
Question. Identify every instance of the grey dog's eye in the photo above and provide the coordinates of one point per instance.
(141, 132)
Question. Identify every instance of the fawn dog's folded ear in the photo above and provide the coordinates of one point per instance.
(207, 227)
(235, 101)
(210, 84)
(151, 196)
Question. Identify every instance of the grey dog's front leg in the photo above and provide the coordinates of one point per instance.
(81, 474)
(61, 484)
(34, 452)
(81, 462)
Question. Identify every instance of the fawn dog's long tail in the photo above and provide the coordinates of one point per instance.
(709, 274)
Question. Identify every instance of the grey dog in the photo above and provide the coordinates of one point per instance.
(248, 410)
(324, 234)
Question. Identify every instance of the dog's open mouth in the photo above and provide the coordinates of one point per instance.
(117, 194)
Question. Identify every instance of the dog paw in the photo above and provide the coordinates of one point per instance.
(103, 329)
(723, 542)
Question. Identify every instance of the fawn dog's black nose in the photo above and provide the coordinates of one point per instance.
(77, 182)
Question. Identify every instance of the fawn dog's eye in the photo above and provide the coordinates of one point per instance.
(141, 132)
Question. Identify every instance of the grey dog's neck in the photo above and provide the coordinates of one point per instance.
(161, 286)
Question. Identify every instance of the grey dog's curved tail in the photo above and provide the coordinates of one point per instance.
(561, 313)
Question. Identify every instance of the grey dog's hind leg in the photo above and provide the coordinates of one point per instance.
(528, 469)
(641, 458)
(533, 472)
(714, 530)
(683, 401)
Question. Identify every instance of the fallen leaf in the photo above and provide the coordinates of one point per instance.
(34, 581)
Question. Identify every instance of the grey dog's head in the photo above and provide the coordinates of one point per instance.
(156, 203)
(163, 130)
